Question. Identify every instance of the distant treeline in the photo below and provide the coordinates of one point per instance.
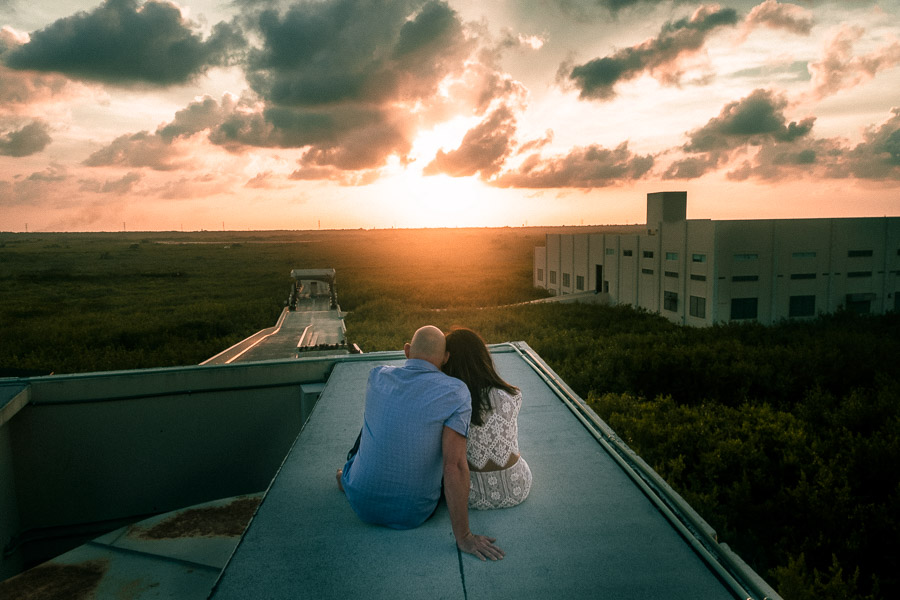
(785, 438)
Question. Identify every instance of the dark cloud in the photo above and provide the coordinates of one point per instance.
(121, 185)
(52, 174)
(347, 137)
(25, 141)
(429, 45)
(691, 167)
(755, 127)
(752, 120)
(139, 150)
(37, 188)
(658, 56)
(774, 15)
(483, 149)
(590, 10)
(878, 156)
(778, 161)
(341, 78)
(200, 115)
(365, 142)
(584, 168)
(157, 150)
(122, 42)
(323, 53)
(839, 69)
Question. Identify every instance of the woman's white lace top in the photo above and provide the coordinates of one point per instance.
(498, 438)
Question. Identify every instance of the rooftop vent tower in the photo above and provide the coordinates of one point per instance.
(666, 207)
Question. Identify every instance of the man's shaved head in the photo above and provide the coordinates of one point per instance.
(428, 343)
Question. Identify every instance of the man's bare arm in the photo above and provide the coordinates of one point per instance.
(456, 491)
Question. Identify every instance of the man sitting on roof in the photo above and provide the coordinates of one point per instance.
(414, 432)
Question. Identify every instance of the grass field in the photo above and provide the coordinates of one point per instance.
(86, 302)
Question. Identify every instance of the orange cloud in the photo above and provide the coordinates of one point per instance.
(839, 69)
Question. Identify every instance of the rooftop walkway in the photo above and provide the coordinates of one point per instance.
(596, 524)
(313, 324)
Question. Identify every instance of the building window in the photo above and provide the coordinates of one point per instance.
(743, 308)
(698, 277)
(567, 280)
(858, 253)
(540, 274)
(553, 277)
(647, 271)
(698, 258)
(579, 282)
(648, 253)
(746, 256)
(745, 278)
(626, 252)
(802, 306)
(859, 273)
(803, 255)
(803, 275)
(861, 304)
(670, 301)
(671, 256)
(610, 251)
(698, 307)
(671, 274)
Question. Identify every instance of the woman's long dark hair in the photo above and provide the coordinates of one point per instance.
(471, 362)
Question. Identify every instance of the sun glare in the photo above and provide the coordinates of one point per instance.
(408, 198)
(444, 136)
(444, 201)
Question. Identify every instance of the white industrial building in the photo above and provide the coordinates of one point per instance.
(700, 271)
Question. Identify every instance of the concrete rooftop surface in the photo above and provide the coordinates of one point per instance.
(595, 524)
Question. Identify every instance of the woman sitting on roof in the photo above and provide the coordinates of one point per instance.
(499, 477)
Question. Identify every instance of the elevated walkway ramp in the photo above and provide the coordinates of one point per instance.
(586, 530)
(312, 325)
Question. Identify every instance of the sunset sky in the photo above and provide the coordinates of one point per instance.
(305, 114)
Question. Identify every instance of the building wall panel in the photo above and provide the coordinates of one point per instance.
(698, 271)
